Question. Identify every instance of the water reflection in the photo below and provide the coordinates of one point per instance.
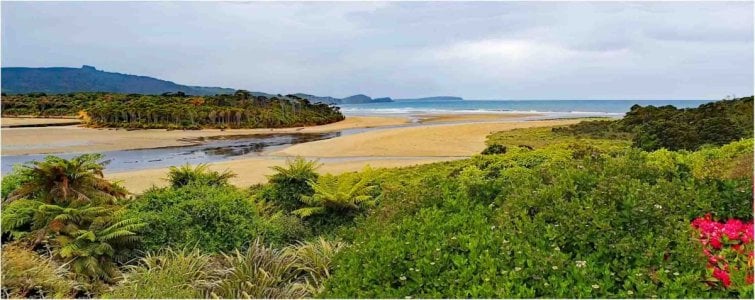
(203, 150)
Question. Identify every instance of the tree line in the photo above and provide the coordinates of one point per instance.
(175, 110)
(651, 128)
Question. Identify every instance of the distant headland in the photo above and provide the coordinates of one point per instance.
(64, 80)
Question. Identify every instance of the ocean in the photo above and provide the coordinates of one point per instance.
(554, 108)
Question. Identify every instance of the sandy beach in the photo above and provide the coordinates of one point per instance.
(14, 122)
(436, 140)
(62, 139)
(395, 147)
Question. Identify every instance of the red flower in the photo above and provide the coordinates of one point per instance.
(733, 228)
(722, 276)
(749, 279)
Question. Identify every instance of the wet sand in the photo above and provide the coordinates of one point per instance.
(64, 139)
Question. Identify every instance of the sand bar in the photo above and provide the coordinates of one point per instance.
(63, 139)
(436, 140)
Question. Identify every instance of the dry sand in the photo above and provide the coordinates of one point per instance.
(435, 140)
(62, 139)
(254, 170)
(10, 122)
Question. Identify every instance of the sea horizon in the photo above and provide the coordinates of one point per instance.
(555, 108)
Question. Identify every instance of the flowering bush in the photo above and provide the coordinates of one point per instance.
(729, 249)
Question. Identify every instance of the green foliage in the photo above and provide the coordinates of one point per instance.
(200, 175)
(211, 218)
(260, 271)
(556, 222)
(68, 182)
(175, 111)
(176, 274)
(12, 181)
(289, 183)
(342, 195)
(494, 149)
(26, 274)
(653, 128)
(74, 210)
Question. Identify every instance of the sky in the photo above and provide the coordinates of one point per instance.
(477, 50)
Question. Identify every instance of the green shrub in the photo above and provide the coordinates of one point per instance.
(543, 223)
(12, 181)
(289, 183)
(177, 274)
(494, 149)
(200, 174)
(211, 218)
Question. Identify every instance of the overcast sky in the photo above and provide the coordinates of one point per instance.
(501, 50)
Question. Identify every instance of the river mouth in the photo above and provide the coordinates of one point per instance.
(201, 150)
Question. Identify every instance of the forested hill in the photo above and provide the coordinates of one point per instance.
(59, 80)
(88, 79)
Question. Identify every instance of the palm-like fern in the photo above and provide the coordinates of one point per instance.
(60, 181)
(344, 193)
(75, 210)
(200, 174)
(93, 250)
(298, 169)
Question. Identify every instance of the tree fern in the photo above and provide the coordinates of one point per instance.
(344, 193)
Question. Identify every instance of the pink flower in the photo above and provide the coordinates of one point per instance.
(722, 276)
(733, 228)
(747, 235)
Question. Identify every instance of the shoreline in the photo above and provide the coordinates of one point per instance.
(76, 139)
(380, 149)
(391, 142)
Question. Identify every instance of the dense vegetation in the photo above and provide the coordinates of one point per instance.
(175, 111)
(543, 213)
(653, 128)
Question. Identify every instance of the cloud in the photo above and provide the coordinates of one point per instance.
(511, 50)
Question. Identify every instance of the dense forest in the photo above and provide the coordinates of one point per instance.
(544, 212)
(653, 128)
(175, 110)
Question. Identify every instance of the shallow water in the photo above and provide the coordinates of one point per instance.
(206, 150)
